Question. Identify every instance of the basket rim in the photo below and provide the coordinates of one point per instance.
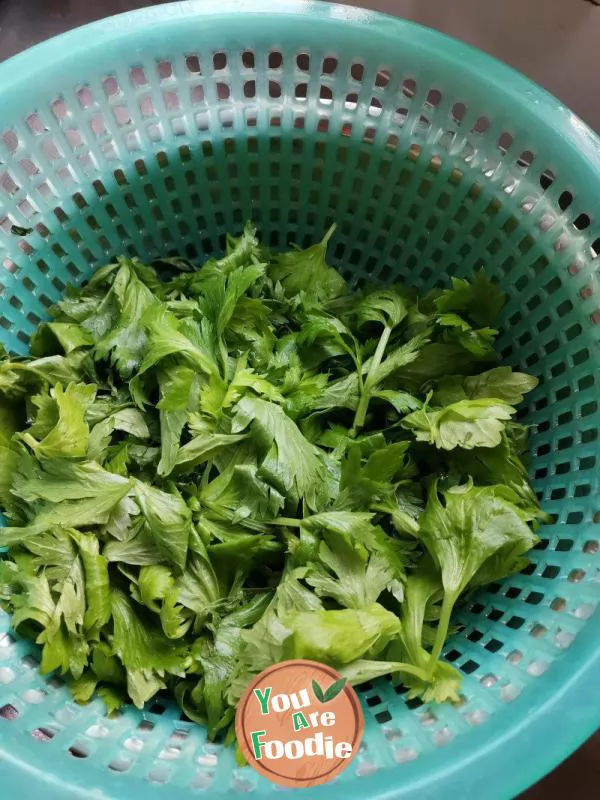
(494, 767)
(19, 69)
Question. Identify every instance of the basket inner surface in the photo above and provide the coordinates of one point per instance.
(163, 152)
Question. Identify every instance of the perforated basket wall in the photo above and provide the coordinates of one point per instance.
(159, 131)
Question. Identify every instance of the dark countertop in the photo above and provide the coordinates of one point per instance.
(554, 42)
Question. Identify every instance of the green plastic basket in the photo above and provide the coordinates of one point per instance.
(158, 132)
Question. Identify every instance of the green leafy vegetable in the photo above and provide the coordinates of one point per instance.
(69, 436)
(299, 467)
(467, 424)
(339, 636)
(208, 470)
(306, 271)
(472, 526)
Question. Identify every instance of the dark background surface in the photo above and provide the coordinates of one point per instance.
(554, 42)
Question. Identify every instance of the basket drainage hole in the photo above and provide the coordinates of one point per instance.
(584, 611)
(9, 712)
(79, 750)
(452, 655)
(442, 737)
(134, 744)
(537, 668)
(208, 760)
(405, 754)
(159, 776)
(494, 645)
(43, 734)
(34, 696)
(489, 680)
(7, 675)
(550, 572)
(97, 731)
(120, 764)
(170, 753)
(510, 692)
(393, 734)
(534, 598)
(242, 783)
(428, 718)
(475, 636)
(476, 717)
(564, 639)
(558, 604)
(202, 779)
(538, 631)
(366, 768)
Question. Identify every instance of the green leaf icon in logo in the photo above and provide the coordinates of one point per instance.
(318, 692)
(329, 694)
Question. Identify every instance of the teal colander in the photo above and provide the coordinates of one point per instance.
(161, 130)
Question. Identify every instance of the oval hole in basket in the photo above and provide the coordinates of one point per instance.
(79, 750)
(43, 734)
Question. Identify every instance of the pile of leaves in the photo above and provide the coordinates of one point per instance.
(206, 471)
